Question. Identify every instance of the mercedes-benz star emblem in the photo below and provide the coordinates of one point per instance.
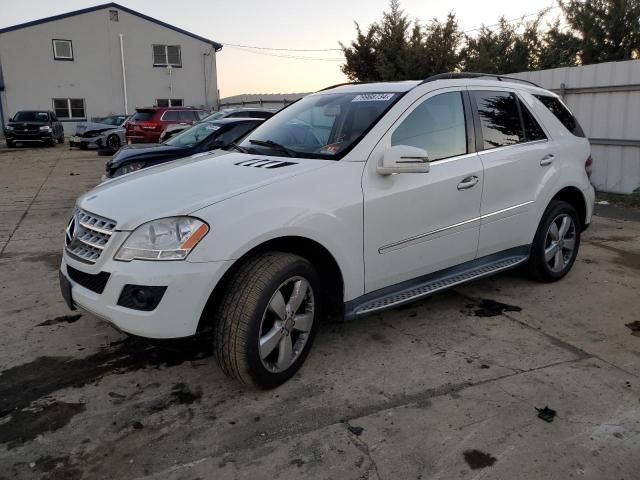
(70, 232)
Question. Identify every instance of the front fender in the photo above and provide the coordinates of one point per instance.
(325, 207)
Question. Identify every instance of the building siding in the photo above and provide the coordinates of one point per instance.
(33, 78)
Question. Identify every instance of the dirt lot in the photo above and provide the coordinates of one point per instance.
(443, 389)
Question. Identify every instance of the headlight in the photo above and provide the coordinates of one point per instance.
(128, 168)
(8, 128)
(164, 239)
(45, 128)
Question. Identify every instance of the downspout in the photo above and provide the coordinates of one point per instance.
(124, 77)
(2, 89)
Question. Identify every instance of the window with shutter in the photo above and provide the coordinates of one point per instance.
(62, 49)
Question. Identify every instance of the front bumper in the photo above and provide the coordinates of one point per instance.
(20, 137)
(189, 286)
(86, 142)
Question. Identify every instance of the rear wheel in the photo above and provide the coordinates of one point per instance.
(61, 139)
(10, 144)
(555, 246)
(267, 319)
(113, 142)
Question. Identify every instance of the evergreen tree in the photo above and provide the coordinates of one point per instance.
(608, 30)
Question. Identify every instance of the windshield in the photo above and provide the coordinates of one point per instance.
(113, 120)
(320, 126)
(31, 117)
(194, 135)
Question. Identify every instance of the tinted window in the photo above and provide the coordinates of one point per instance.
(499, 118)
(238, 115)
(171, 116)
(141, 116)
(260, 114)
(437, 126)
(532, 129)
(561, 112)
(189, 116)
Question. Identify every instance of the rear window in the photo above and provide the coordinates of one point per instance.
(141, 116)
(561, 112)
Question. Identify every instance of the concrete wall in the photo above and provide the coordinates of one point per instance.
(606, 100)
(33, 78)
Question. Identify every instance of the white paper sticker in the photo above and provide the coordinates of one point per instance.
(373, 97)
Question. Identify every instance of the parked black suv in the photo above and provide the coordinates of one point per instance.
(34, 126)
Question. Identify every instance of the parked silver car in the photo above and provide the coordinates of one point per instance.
(104, 132)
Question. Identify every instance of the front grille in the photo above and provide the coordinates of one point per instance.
(88, 235)
(95, 283)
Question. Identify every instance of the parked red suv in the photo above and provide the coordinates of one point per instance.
(146, 125)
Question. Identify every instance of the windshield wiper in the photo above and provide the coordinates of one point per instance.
(237, 147)
(275, 146)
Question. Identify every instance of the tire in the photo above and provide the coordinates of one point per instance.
(541, 266)
(61, 139)
(244, 317)
(10, 144)
(113, 142)
(51, 143)
(82, 146)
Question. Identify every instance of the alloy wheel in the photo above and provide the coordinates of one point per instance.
(560, 243)
(286, 324)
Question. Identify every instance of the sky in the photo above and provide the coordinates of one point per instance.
(282, 24)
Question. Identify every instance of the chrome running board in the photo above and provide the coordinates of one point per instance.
(421, 287)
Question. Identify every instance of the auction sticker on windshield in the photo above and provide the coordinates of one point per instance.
(373, 97)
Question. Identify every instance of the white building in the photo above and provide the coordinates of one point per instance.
(102, 60)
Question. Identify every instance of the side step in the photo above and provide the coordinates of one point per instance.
(424, 286)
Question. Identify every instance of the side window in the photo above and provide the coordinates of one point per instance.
(437, 126)
(188, 116)
(171, 116)
(561, 112)
(532, 130)
(499, 118)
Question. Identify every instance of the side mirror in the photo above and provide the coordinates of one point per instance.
(10, 119)
(404, 159)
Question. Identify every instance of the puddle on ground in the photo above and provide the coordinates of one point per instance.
(477, 459)
(61, 319)
(23, 384)
(27, 424)
(491, 308)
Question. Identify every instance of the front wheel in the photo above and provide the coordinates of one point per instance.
(267, 319)
(555, 246)
(61, 139)
(113, 142)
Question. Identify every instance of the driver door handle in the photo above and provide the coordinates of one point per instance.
(547, 159)
(468, 182)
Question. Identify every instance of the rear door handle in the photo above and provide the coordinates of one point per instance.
(547, 159)
(468, 182)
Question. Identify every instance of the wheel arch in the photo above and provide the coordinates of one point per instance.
(574, 196)
(321, 258)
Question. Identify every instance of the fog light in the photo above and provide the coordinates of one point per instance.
(141, 297)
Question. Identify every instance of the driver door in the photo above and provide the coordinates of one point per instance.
(419, 223)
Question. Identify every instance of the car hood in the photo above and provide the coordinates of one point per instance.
(141, 152)
(187, 185)
(83, 127)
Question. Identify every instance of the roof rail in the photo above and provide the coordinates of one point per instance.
(341, 85)
(454, 75)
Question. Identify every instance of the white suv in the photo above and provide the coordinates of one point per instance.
(355, 199)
